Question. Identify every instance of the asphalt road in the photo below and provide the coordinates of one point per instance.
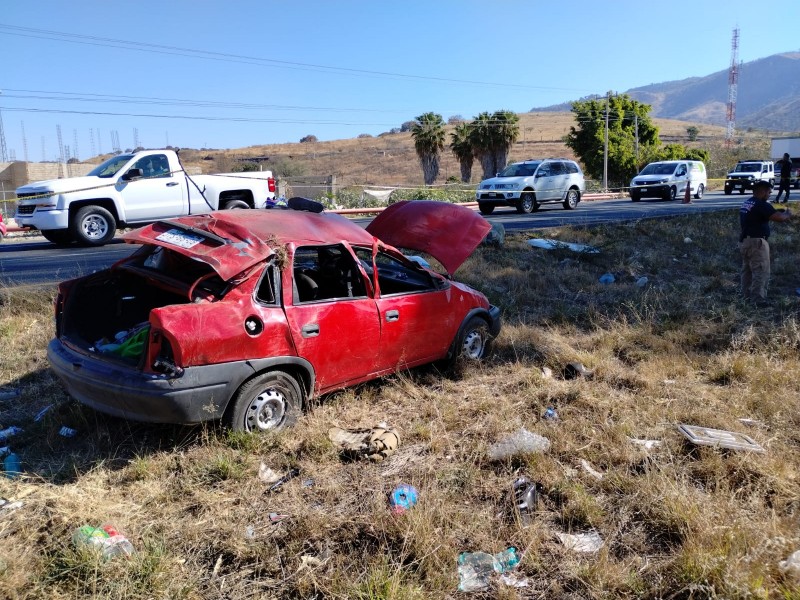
(34, 261)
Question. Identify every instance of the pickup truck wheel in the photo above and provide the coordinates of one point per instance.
(486, 208)
(93, 226)
(267, 402)
(234, 204)
(699, 193)
(60, 237)
(572, 199)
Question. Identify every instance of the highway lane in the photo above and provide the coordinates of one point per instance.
(33, 261)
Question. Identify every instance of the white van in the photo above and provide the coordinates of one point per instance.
(668, 180)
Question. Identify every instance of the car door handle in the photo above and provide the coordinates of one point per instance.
(310, 330)
(172, 184)
(392, 315)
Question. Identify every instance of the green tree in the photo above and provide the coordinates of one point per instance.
(428, 133)
(692, 132)
(586, 138)
(462, 148)
(492, 136)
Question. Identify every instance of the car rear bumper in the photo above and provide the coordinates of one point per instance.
(199, 394)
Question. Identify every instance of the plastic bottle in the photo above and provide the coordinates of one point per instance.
(525, 498)
(9, 431)
(550, 414)
(116, 544)
(476, 568)
(11, 466)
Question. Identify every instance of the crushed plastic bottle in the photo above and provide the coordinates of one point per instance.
(475, 569)
(11, 466)
(607, 278)
(106, 539)
(521, 441)
(526, 498)
(9, 431)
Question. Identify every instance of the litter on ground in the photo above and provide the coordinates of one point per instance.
(520, 442)
(581, 542)
(705, 436)
(547, 244)
(375, 444)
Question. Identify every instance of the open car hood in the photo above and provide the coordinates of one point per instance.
(448, 232)
(226, 247)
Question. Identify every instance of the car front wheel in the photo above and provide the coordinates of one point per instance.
(527, 204)
(268, 402)
(93, 226)
(671, 193)
(475, 340)
(572, 199)
(635, 197)
(485, 208)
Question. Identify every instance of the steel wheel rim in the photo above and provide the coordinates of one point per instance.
(94, 227)
(266, 411)
(473, 344)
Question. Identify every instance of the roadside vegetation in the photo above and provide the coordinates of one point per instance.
(677, 521)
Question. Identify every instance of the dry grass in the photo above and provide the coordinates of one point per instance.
(677, 521)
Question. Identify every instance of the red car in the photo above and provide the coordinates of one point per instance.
(3, 230)
(245, 315)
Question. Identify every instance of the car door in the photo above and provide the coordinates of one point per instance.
(544, 183)
(158, 194)
(560, 177)
(333, 322)
(416, 311)
(681, 179)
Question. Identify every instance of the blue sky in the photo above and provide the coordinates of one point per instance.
(241, 73)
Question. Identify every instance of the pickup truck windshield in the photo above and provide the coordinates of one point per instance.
(110, 167)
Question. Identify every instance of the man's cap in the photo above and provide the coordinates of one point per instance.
(785, 155)
(762, 184)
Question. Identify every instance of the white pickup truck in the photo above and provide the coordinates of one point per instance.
(130, 190)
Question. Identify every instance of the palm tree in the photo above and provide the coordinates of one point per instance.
(480, 137)
(462, 148)
(506, 132)
(428, 133)
(491, 137)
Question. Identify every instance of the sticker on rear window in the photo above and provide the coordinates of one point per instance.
(176, 237)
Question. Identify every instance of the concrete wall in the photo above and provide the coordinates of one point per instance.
(19, 173)
(309, 186)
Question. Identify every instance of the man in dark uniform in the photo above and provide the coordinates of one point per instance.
(754, 217)
(786, 174)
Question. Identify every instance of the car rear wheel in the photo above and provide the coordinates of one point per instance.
(572, 199)
(485, 208)
(93, 226)
(267, 402)
(527, 203)
(236, 204)
(699, 192)
(60, 237)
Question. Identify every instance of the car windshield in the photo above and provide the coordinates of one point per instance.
(748, 167)
(659, 169)
(520, 170)
(110, 167)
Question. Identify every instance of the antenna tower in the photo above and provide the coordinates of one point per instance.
(99, 142)
(135, 137)
(24, 142)
(91, 139)
(44, 151)
(75, 153)
(733, 84)
(3, 149)
(60, 144)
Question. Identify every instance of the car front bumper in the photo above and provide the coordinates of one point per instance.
(657, 190)
(501, 197)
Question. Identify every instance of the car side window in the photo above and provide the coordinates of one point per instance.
(681, 171)
(544, 171)
(267, 290)
(324, 273)
(572, 168)
(394, 275)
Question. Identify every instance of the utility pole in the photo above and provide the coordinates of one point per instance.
(605, 147)
(636, 127)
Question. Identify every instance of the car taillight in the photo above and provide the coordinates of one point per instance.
(271, 184)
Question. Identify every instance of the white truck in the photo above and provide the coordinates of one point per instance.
(790, 146)
(131, 190)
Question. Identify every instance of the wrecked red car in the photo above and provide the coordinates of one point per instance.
(244, 316)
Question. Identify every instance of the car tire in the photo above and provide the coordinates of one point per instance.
(59, 237)
(728, 191)
(671, 193)
(635, 197)
(527, 203)
(572, 199)
(699, 192)
(475, 340)
(236, 204)
(93, 226)
(268, 402)
(485, 208)
(742, 191)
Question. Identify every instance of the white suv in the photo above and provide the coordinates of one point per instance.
(529, 184)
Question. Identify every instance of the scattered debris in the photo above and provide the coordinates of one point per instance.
(547, 372)
(669, 382)
(546, 244)
(308, 562)
(267, 475)
(646, 444)
(574, 370)
(40, 415)
(67, 432)
(7, 507)
(11, 466)
(402, 498)
(375, 444)
(475, 569)
(291, 474)
(9, 431)
(526, 498)
(642, 281)
(277, 517)
(607, 278)
(590, 469)
(753, 423)
(687, 240)
(106, 539)
(250, 532)
(705, 436)
(791, 566)
(519, 442)
(514, 580)
(550, 414)
(581, 542)
(9, 394)
(307, 483)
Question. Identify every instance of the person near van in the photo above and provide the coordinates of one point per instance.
(754, 217)
(786, 170)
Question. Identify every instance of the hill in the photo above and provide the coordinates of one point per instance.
(768, 96)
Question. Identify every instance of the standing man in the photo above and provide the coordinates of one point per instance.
(786, 169)
(754, 217)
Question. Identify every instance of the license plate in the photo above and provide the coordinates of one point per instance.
(491, 194)
(737, 186)
(179, 238)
